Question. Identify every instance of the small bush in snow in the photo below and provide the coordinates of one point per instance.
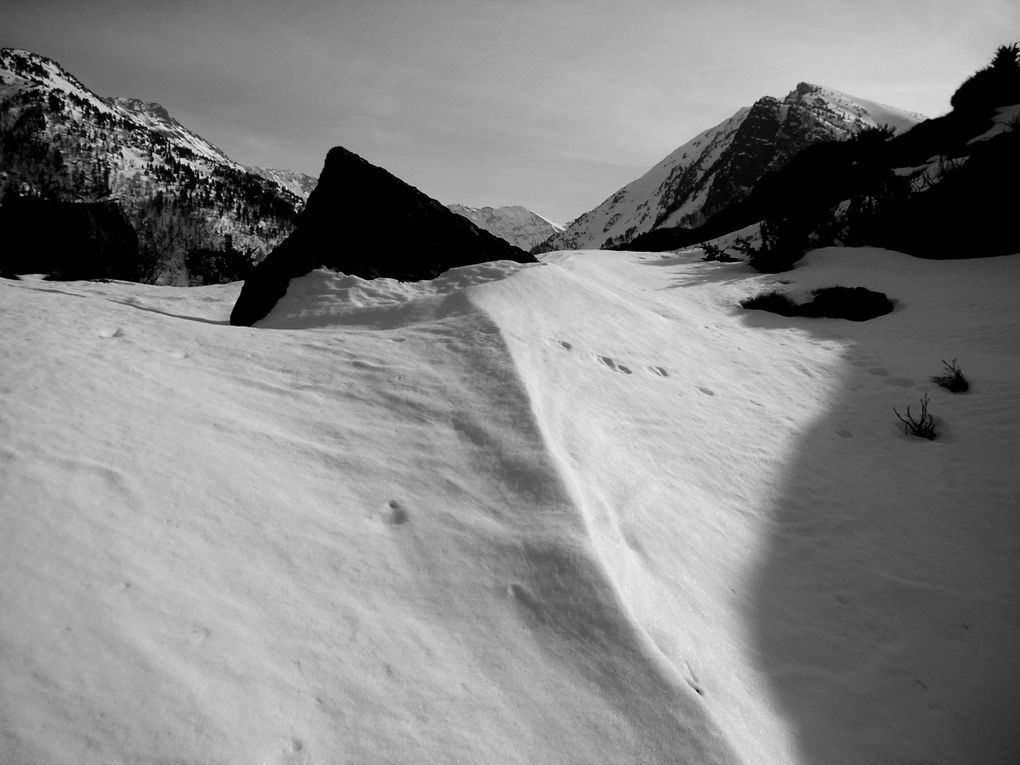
(923, 426)
(783, 242)
(951, 378)
(714, 252)
(773, 302)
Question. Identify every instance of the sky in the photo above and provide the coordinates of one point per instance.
(550, 104)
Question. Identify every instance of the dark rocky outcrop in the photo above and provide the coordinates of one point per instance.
(366, 222)
(67, 240)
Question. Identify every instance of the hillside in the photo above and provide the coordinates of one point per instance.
(720, 166)
(945, 188)
(60, 141)
(571, 512)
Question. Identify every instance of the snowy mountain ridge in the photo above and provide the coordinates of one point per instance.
(179, 191)
(155, 118)
(297, 183)
(720, 165)
(514, 223)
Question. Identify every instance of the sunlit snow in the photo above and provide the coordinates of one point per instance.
(582, 511)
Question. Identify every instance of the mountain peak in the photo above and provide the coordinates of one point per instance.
(138, 106)
(855, 112)
(721, 165)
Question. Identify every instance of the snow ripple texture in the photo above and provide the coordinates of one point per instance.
(580, 511)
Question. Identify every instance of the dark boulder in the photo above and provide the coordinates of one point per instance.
(67, 240)
(366, 222)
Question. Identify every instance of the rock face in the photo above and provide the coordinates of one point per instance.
(363, 221)
(517, 225)
(67, 240)
(721, 165)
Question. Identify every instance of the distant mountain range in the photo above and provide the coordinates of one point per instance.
(720, 166)
(517, 225)
(60, 141)
(62, 145)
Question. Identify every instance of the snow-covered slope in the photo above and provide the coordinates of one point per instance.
(720, 165)
(582, 511)
(517, 225)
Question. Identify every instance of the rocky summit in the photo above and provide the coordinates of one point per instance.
(720, 166)
(366, 222)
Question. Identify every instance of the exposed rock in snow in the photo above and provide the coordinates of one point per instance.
(366, 222)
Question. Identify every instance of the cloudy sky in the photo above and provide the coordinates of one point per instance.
(553, 104)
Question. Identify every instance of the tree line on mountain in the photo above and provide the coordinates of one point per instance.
(853, 192)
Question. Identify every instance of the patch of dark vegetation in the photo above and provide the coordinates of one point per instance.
(772, 301)
(208, 266)
(923, 426)
(67, 240)
(716, 254)
(851, 303)
(951, 378)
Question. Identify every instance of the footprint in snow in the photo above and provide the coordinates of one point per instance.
(395, 514)
(706, 391)
(108, 332)
(660, 371)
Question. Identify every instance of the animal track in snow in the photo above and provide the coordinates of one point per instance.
(527, 601)
(692, 680)
(899, 382)
(706, 391)
(612, 364)
(660, 371)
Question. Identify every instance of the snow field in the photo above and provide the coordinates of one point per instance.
(581, 511)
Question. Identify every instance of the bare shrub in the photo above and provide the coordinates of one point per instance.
(923, 426)
(951, 378)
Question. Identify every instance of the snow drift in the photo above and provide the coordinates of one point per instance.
(586, 510)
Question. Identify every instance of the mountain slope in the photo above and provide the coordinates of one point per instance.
(298, 184)
(517, 225)
(59, 140)
(720, 165)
